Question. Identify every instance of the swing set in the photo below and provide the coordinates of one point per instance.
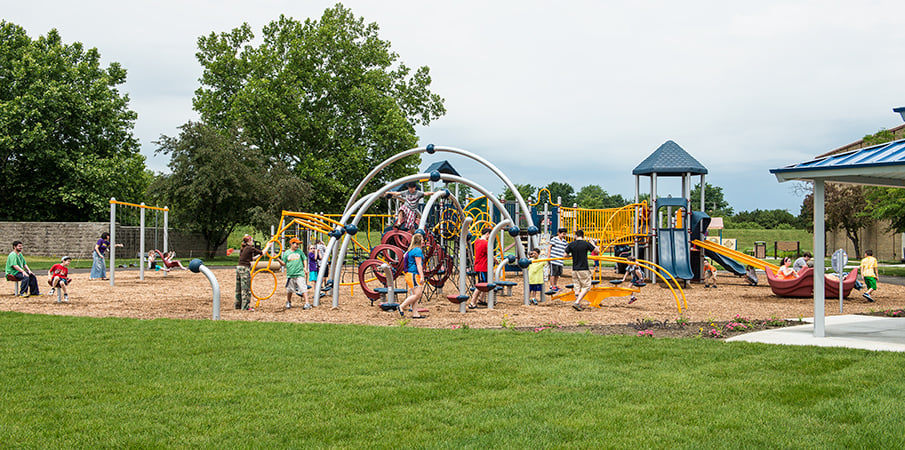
(128, 214)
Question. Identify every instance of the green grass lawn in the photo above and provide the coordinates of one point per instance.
(87, 382)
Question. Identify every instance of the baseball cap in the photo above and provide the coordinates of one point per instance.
(65, 258)
(295, 241)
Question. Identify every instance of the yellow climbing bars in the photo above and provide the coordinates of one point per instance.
(608, 227)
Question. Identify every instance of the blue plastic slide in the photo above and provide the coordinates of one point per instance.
(672, 248)
(727, 263)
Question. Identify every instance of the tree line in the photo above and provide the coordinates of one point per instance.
(292, 119)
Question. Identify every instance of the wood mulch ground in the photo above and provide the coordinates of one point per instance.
(187, 295)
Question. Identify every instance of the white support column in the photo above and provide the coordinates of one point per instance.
(819, 259)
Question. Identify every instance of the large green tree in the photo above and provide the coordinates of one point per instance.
(593, 196)
(217, 182)
(714, 202)
(327, 98)
(846, 209)
(66, 143)
(561, 192)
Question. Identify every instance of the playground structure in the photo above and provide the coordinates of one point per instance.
(448, 228)
(665, 234)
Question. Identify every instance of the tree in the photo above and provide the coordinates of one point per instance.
(764, 219)
(525, 190)
(846, 209)
(563, 191)
(327, 98)
(594, 197)
(66, 143)
(714, 202)
(464, 194)
(217, 183)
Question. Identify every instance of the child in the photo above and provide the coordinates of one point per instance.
(152, 261)
(751, 276)
(869, 272)
(535, 276)
(294, 262)
(58, 276)
(633, 270)
(169, 262)
(786, 272)
(709, 274)
(313, 261)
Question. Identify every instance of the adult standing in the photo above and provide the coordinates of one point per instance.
(581, 274)
(99, 266)
(480, 266)
(557, 249)
(17, 269)
(247, 252)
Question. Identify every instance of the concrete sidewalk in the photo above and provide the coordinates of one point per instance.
(850, 331)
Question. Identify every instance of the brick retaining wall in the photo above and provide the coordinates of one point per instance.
(77, 239)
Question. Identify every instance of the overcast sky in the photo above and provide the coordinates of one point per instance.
(573, 91)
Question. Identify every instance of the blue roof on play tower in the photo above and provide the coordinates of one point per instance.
(669, 159)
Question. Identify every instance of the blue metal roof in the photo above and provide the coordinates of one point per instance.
(443, 167)
(882, 165)
(669, 159)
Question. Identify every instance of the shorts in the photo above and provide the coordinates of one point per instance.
(64, 281)
(294, 285)
(555, 270)
(412, 280)
(536, 287)
(312, 276)
(871, 282)
(482, 277)
(582, 279)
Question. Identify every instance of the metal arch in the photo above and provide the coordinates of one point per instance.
(365, 202)
(453, 150)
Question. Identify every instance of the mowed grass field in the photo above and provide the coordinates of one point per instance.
(89, 382)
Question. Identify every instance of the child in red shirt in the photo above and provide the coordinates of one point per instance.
(59, 277)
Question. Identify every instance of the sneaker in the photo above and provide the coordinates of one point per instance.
(867, 296)
(66, 298)
(26, 295)
(534, 301)
(632, 300)
(288, 305)
(307, 306)
(52, 291)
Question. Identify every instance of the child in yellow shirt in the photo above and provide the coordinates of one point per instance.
(869, 272)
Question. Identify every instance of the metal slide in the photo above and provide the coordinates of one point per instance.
(673, 250)
(738, 256)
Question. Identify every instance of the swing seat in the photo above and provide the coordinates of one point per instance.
(485, 287)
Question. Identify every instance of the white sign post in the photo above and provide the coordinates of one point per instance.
(839, 260)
